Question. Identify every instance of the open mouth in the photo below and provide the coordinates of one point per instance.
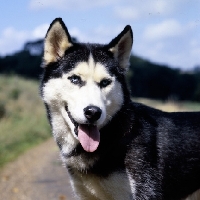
(89, 137)
(88, 134)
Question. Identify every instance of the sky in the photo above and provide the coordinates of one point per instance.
(165, 31)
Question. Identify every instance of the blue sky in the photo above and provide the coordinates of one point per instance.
(165, 31)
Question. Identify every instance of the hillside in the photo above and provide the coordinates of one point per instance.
(23, 122)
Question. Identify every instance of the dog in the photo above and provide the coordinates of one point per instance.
(113, 148)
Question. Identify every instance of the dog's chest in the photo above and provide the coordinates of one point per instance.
(116, 186)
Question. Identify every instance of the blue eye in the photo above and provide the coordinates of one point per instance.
(75, 79)
(104, 83)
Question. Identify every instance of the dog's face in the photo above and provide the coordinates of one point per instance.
(82, 81)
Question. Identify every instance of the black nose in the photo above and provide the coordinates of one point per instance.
(92, 113)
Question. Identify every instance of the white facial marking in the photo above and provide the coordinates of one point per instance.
(60, 92)
(108, 99)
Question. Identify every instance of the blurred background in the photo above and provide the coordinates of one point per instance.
(164, 65)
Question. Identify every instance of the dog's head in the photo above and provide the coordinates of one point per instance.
(82, 82)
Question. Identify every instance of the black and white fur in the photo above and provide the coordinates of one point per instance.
(142, 153)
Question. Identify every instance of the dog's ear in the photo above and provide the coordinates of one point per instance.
(57, 41)
(121, 47)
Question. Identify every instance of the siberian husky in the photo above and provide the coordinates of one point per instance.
(114, 149)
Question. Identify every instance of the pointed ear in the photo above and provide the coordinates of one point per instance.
(57, 41)
(121, 47)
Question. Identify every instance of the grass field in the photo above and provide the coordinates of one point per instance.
(170, 105)
(23, 122)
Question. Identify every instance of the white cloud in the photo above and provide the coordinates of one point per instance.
(172, 42)
(78, 34)
(100, 34)
(10, 31)
(12, 40)
(137, 10)
(162, 6)
(106, 34)
(68, 4)
(158, 54)
(127, 13)
(166, 29)
(40, 31)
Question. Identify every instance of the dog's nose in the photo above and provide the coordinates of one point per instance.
(92, 113)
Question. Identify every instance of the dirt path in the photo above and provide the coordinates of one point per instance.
(36, 175)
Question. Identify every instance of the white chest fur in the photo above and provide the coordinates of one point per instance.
(117, 186)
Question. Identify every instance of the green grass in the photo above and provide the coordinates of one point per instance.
(170, 105)
(23, 122)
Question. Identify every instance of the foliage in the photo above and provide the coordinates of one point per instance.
(161, 82)
(23, 120)
(2, 109)
(23, 63)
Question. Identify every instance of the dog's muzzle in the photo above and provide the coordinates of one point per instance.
(88, 133)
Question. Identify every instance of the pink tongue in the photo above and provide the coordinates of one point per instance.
(89, 137)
